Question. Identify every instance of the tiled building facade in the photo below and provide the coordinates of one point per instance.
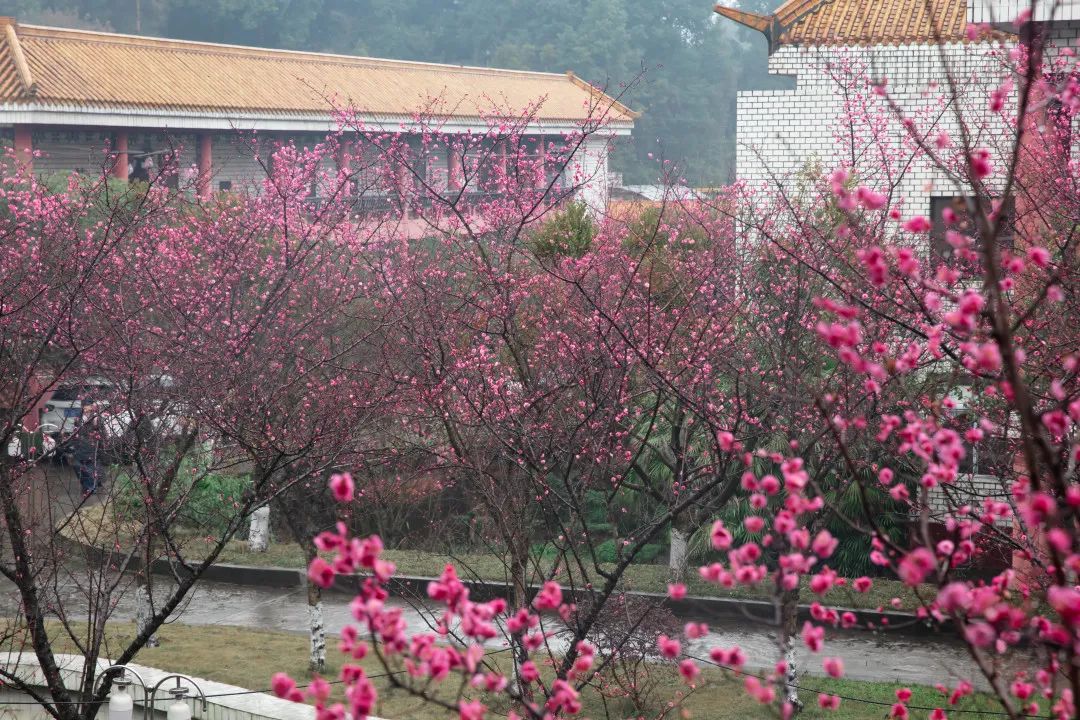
(783, 132)
(914, 44)
(87, 101)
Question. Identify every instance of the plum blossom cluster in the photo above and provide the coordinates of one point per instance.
(456, 649)
(859, 362)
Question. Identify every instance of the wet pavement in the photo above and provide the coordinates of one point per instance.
(881, 657)
(866, 656)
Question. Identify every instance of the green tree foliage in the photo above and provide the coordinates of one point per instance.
(203, 501)
(693, 60)
(568, 234)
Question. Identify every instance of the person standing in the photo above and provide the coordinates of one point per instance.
(86, 449)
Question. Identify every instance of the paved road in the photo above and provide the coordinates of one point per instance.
(885, 657)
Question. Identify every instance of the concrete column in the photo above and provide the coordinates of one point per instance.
(590, 166)
(120, 156)
(541, 164)
(346, 150)
(343, 153)
(204, 163)
(501, 153)
(24, 147)
(406, 183)
(455, 176)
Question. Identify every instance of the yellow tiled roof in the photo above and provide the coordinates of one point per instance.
(104, 70)
(859, 22)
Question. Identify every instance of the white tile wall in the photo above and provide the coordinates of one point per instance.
(781, 132)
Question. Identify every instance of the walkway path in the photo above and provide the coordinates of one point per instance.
(886, 657)
(883, 657)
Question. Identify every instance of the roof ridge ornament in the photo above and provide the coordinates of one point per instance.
(767, 25)
(17, 54)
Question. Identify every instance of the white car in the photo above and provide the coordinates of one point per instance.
(63, 411)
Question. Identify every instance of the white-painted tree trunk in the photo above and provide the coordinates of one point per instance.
(208, 451)
(144, 612)
(679, 557)
(791, 690)
(317, 661)
(259, 530)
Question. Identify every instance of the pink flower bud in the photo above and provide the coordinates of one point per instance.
(918, 224)
(321, 573)
(676, 591)
(342, 487)
(669, 647)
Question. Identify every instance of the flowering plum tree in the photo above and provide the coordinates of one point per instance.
(239, 340)
(826, 317)
(208, 338)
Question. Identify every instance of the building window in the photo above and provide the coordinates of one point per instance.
(141, 165)
(990, 455)
(941, 251)
(225, 185)
(1058, 131)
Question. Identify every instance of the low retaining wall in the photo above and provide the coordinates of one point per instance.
(224, 702)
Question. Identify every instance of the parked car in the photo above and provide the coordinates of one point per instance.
(63, 411)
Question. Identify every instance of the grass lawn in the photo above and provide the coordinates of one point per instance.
(249, 658)
(94, 527)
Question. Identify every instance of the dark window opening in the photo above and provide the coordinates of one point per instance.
(225, 185)
(989, 456)
(1058, 130)
(140, 166)
(941, 251)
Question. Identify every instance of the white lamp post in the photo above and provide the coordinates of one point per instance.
(178, 709)
(121, 704)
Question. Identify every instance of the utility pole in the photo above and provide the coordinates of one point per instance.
(138, 17)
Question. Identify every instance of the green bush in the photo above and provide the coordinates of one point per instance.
(569, 233)
(208, 499)
(658, 229)
(608, 552)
